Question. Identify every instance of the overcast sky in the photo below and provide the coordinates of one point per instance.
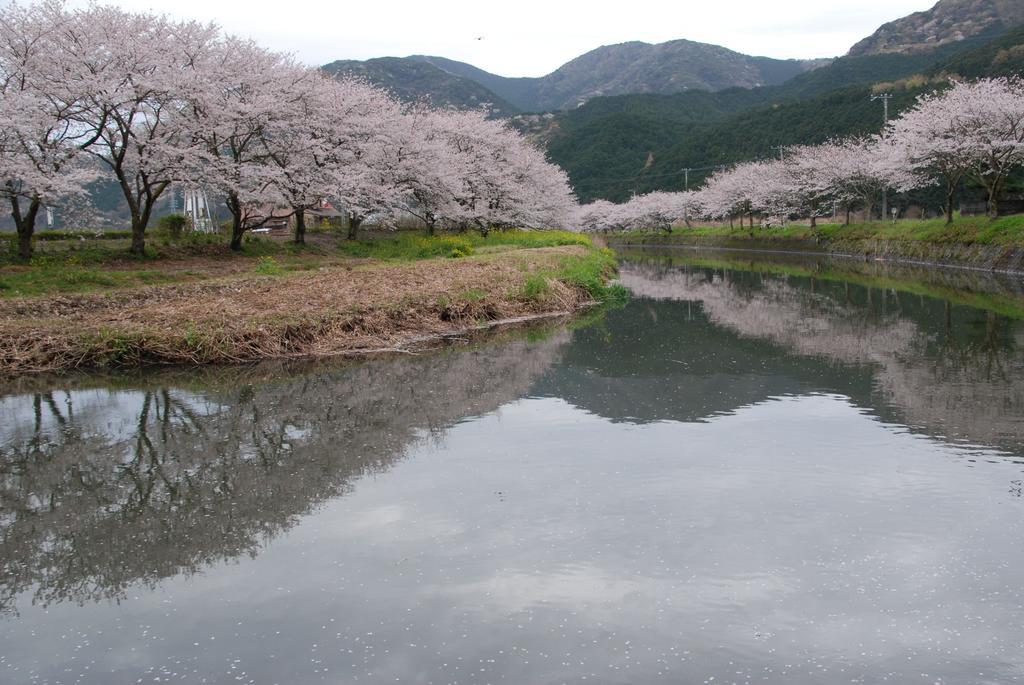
(532, 37)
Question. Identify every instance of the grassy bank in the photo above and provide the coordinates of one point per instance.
(327, 299)
(973, 230)
(64, 264)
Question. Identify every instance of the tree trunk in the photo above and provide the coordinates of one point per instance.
(26, 225)
(141, 207)
(814, 220)
(993, 201)
(847, 215)
(138, 238)
(353, 226)
(237, 233)
(430, 229)
(300, 226)
(24, 245)
(140, 219)
(237, 224)
(950, 192)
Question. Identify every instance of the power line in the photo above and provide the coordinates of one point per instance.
(644, 177)
(686, 173)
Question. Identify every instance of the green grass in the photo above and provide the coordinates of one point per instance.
(268, 266)
(62, 265)
(105, 264)
(473, 295)
(408, 247)
(78, 236)
(589, 271)
(528, 239)
(113, 248)
(41, 280)
(536, 287)
(969, 230)
(411, 247)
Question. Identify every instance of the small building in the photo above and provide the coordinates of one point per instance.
(324, 215)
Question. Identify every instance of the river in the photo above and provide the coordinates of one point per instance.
(760, 469)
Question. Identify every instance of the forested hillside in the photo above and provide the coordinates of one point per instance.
(1003, 56)
(614, 147)
(413, 79)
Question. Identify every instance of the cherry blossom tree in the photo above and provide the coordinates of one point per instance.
(296, 149)
(144, 68)
(935, 143)
(989, 116)
(329, 144)
(503, 180)
(380, 154)
(658, 210)
(40, 146)
(802, 183)
(243, 110)
(595, 217)
(654, 211)
(424, 167)
(734, 192)
(863, 167)
(155, 101)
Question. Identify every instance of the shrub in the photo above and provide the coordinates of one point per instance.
(173, 224)
(268, 266)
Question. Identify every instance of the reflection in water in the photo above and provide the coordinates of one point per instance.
(958, 374)
(102, 489)
(739, 476)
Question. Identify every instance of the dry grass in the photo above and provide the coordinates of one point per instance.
(245, 317)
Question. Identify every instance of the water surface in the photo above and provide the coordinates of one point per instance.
(751, 472)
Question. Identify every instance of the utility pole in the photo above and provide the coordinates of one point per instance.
(686, 183)
(782, 151)
(884, 97)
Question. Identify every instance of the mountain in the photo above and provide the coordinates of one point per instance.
(1003, 56)
(636, 67)
(629, 118)
(515, 90)
(411, 79)
(613, 147)
(665, 68)
(949, 21)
